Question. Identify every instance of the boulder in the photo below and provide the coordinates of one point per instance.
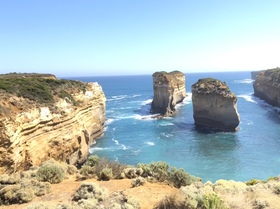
(169, 90)
(267, 86)
(214, 105)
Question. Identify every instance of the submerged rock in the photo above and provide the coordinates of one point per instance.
(42, 117)
(169, 90)
(267, 86)
(214, 105)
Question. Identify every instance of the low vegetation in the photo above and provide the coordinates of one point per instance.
(105, 170)
(42, 88)
(192, 194)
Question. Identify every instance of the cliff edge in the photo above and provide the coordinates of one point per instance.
(214, 105)
(267, 86)
(42, 117)
(169, 90)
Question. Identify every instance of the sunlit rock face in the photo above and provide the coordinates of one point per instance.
(214, 105)
(267, 86)
(169, 90)
(33, 131)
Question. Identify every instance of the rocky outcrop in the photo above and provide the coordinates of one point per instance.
(267, 86)
(214, 105)
(169, 90)
(59, 122)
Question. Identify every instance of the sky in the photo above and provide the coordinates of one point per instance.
(132, 37)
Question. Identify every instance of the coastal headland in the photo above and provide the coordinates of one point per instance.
(42, 117)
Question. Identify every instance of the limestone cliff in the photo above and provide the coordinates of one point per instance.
(44, 117)
(267, 86)
(254, 74)
(169, 89)
(214, 105)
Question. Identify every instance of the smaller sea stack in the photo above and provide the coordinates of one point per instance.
(169, 90)
(214, 105)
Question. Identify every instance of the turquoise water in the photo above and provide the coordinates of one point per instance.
(131, 136)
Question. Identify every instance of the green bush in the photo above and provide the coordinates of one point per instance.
(139, 181)
(50, 173)
(146, 169)
(179, 177)
(252, 182)
(89, 190)
(213, 201)
(117, 168)
(12, 194)
(87, 171)
(92, 160)
(106, 174)
(40, 89)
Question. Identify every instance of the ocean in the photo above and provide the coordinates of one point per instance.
(132, 136)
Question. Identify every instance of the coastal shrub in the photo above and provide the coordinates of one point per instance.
(39, 188)
(276, 189)
(117, 168)
(213, 201)
(71, 169)
(87, 171)
(146, 169)
(178, 177)
(89, 190)
(160, 170)
(252, 182)
(20, 188)
(118, 200)
(39, 89)
(92, 160)
(260, 204)
(6, 179)
(12, 194)
(130, 172)
(229, 187)
(171, 202)
(105, 175)
(51, 173)
(139, 181)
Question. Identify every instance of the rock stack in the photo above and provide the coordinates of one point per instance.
(169, 89)
(214, 105)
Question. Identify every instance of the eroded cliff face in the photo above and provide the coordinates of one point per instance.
(214, 105)
(169, 90)
(63, 127)
(267, 86)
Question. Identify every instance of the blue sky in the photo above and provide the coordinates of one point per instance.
(122, 37)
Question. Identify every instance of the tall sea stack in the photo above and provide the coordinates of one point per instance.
(214, 105)
(169, 90)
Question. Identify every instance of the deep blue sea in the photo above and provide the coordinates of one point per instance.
(131, 136)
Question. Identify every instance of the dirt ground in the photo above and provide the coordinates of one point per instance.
(147, 195)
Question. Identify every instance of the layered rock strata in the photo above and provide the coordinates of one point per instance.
(61, 122)
(214, 105)
(267, 86)
(169, 90)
